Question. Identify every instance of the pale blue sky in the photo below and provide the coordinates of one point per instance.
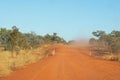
(71, 19)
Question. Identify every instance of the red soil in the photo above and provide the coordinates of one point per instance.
(69, 64)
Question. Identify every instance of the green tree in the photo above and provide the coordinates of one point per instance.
(111, 40)
(4, 35)
(47, 38)
(13, 40)
(93, 42)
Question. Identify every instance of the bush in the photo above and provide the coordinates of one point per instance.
(111, 57)
(9, 64)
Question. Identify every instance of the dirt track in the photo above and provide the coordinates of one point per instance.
(69, 64)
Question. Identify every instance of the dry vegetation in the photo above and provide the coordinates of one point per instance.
(111, 57)
(106, 46)
(19, 49)
(8, 64)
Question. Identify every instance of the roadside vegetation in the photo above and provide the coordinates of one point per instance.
(19, 49)
(106, 45)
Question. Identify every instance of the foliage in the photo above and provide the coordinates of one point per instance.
(17, 48)
(13, 40)
(53, 39)
(8, 64)
(111, 40)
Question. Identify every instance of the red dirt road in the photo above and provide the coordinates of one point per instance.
(69, 64)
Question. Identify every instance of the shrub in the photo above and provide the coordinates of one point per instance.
(9, 64)
(111, 57)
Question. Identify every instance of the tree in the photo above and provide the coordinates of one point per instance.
(93, 42)
(23, 43)
(47, 38)
(13, 39)
(111, 40)
(4, 35)
(102, 37)
(99, 33)
(54, 36)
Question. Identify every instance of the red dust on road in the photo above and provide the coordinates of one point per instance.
(69, 64)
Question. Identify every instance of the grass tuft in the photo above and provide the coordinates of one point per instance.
(25, 57)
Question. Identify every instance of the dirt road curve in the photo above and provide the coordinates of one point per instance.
(69, 64)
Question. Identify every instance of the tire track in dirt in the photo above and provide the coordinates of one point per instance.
(69, 64)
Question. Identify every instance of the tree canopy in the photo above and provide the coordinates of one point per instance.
(110, 40)
(14, 40)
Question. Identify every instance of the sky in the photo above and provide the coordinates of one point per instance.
(70, 19)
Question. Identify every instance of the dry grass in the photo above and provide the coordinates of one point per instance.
(112, 57)
(25, 57)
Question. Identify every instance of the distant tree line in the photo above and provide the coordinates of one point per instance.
(13, 40)
(110, 41)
